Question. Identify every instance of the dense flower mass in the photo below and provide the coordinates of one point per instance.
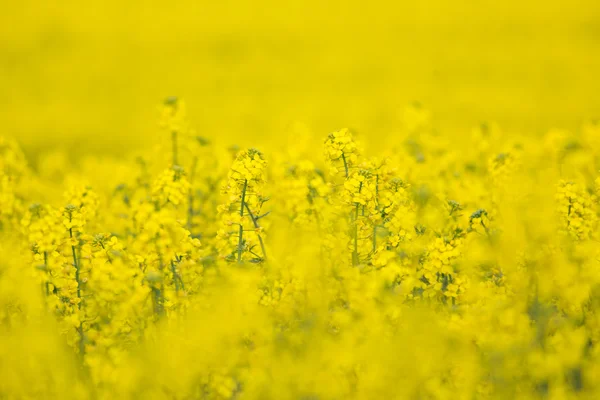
(438, 269)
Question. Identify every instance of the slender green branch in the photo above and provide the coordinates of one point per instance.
(47, 291)
(241, 233)
(174, 141)
(78, 280)
(175, 277)
(374, 238)
(107, 253)
(355, 233)
(355, 252)
(345, 165)
(377, 208)
(159, 293)
(157, 300)
(257, 226)
(190, 213)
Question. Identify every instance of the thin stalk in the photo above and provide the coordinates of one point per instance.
(46, 270)
(345, 164)
(175, 277)
(190, 213)
(174, 142)
(355, 252)
(109, 258)
(156, 299)
(161, 291)
(78, 279)
(377, 208)
(76, 265)
(241, 233)
(257, 226)
(374, 238)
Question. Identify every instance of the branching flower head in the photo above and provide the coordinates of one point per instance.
(171, 187)
(576, 211)
(341, 152)
(249, 166)
(241, 235)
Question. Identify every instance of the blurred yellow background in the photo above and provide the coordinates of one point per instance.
(88, 76)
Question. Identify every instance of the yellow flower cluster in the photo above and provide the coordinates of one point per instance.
(426, 272)
(13, 169)
(171, 186)
(576, 210)
(341, 152)
(241, 235)
(302, 189)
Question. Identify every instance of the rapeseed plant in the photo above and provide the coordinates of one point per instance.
(197, 272)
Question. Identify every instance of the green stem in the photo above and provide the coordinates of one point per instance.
(257, 226)
(157, 299)
(160, 293)
(108, 257)
(76, 265)
(174, 141)
(78, 279)
(379, 214)
(175, 277)
(355, 252)
(241, 234)
(46, 270)
(374, 238)
(190, 214)
(345, 164)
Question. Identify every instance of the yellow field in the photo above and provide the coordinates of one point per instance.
(308, 200)
(91, 74)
